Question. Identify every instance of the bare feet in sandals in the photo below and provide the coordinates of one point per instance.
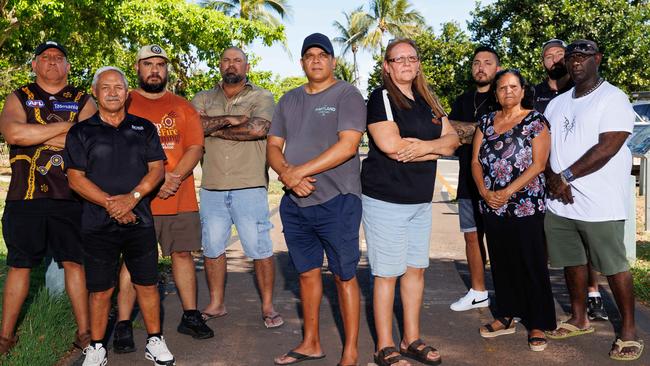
(272, 319)
(217, 312)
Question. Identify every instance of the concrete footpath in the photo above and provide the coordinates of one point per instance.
(241, 338)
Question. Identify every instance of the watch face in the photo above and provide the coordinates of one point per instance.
(136, 195)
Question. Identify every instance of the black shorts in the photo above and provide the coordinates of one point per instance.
(33, 229)
(102, 249)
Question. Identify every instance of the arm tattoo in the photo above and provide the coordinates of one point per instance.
(254, 129)
(465, 130)
(212, 124)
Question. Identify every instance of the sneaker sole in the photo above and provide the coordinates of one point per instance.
(149, 357)
(195, 335)
(476, 306)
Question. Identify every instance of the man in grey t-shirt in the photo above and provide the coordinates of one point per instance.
(319, 125)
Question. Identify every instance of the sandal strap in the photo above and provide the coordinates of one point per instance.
(489, 327)
(536, 339)
(385, 354)
(506, 322)
(413, 347)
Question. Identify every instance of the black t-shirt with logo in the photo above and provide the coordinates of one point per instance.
(386, 179)
(544, 94)
(469, 107)
(115, 159)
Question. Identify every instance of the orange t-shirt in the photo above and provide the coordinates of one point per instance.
(179, 126)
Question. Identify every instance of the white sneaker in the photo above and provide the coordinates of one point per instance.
(158, 352)
(95, 356)
(472, 300)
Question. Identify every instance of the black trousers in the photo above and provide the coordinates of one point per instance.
(518, 261)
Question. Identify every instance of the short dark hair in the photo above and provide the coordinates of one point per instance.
(528, 101)
(489, 49)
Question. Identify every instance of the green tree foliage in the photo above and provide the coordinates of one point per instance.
(276, 84)
(109, 32)
(517, 28)
(261, 10)
(344, 71)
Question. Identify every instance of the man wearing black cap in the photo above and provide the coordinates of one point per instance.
(558, 80)
(41, 214)
(312, 145)
(588, 179)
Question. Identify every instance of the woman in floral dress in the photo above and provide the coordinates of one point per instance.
(510, 151)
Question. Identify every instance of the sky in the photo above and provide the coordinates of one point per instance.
(316, 16)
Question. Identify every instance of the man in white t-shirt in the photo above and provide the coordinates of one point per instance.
(588, 178)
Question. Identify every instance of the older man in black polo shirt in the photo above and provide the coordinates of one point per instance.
(114, 160)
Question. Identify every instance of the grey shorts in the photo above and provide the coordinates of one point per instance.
(178, 233)
(468, 215)
(574, 243)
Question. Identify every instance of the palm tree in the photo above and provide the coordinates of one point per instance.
(344, 71)
(261, 10)
(394, 17)
(357, 24)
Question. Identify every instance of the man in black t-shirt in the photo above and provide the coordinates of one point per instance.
(114, 161)
(466, 110)
(558, 80)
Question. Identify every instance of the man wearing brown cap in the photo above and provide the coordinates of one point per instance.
(175, 209)
(313, 145)
(589, 127)
(41, 214)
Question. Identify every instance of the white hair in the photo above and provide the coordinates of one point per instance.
(102, 70)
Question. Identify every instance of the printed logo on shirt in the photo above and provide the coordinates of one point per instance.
(137, 128)
(568, 126)
(169, 135)
(35, 103)
(65, 107)
(325, 110)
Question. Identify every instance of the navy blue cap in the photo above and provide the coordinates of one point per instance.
(317, 40)
(50, 44)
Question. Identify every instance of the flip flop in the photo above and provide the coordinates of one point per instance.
(298, 357)
(207, 316)
(271, 320)
(537, 347)
(572, 331)
(615, 353)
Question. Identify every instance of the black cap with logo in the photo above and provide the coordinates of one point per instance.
(317, 40)
(50, 44)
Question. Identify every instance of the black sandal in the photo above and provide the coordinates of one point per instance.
(420, 354)
(507, 329)
(384, 358)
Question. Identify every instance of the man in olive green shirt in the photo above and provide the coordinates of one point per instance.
(236, 116)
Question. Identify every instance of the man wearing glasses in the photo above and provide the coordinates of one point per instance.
(313, 146)
(589, 127)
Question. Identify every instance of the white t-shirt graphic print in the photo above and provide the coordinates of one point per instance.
(575, 126)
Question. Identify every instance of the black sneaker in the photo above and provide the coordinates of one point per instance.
(194, 325)
(595, 309)
(123, 337)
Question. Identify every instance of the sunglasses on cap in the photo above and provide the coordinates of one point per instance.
(586, 48)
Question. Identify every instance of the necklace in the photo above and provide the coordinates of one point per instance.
(600, 81)
(479, 106)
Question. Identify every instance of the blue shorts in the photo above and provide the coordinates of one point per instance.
(469, 216)
(397, 236)
(331, 228)
(247, 209)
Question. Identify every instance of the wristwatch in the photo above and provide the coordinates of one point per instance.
(567, 176)
(136, 195)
